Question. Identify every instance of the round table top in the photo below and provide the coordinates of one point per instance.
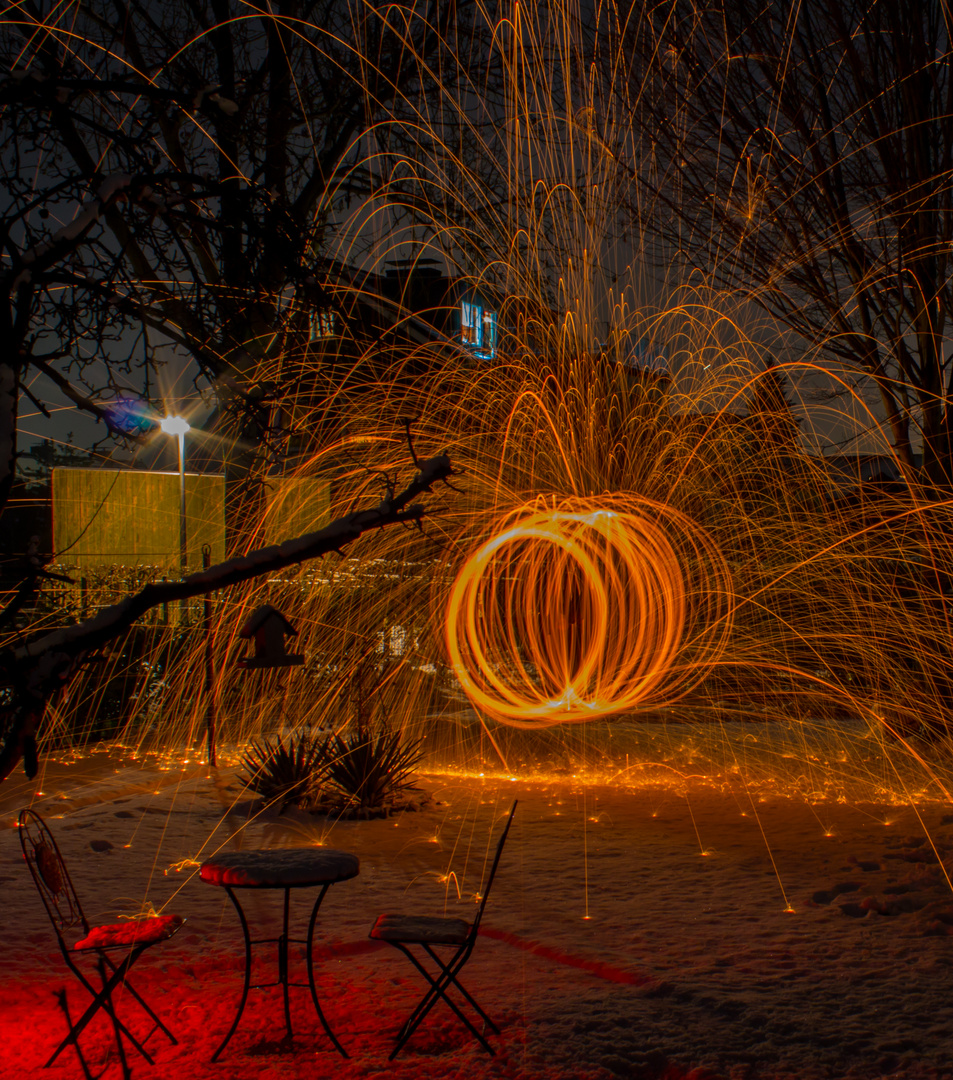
(280, 868)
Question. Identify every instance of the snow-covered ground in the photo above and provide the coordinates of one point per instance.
(670, 929)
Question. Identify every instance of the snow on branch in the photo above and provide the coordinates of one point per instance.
(111, 190)
(112, 621)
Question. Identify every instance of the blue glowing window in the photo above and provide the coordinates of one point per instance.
(478, 328)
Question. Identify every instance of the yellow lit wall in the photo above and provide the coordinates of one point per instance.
(105, 517)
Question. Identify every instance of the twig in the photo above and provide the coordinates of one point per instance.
(406, 421)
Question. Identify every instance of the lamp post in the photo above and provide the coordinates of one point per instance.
(178, 425)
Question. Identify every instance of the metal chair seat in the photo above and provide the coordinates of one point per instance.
(436, 930)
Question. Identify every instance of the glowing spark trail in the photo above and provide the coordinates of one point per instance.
(587, 607)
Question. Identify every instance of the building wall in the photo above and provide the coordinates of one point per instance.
(104, 517)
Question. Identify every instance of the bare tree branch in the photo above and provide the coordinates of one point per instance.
(38, 669)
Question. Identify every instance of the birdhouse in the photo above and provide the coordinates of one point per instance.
(268, 627)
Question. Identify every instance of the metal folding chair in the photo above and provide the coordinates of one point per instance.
(126, 941)
(406, 932)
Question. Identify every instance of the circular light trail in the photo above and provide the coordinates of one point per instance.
(587, 607)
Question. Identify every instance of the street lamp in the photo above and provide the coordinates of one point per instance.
(178, 425)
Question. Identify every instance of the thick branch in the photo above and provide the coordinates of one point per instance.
(41, 667)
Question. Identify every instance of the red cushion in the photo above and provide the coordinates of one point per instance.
(133, 932)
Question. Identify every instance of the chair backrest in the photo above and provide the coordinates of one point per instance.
(474, 926)
(50, 875)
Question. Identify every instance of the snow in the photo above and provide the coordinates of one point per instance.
(113, 186)
(110, 190)
(229, 107)
(283, 868)
(685, 928)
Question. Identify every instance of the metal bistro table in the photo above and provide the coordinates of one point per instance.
(282, 868)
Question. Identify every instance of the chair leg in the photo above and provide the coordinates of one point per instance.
(438, 989)
(426, 1003)
(145, 1006)
(64, 1005)
(108, 1006)
(413, 1021)
(101, 999)
(452, 973)
(452, 970)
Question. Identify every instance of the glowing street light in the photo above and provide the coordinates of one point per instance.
(178, 425)
(175, 425)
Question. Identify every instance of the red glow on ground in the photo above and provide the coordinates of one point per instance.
(196, 997)
(595, 967)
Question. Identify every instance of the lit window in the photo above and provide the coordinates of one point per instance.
(478, 328)
(471, 323)
(321, 324)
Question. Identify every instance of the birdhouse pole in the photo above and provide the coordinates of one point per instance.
(209, 666)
